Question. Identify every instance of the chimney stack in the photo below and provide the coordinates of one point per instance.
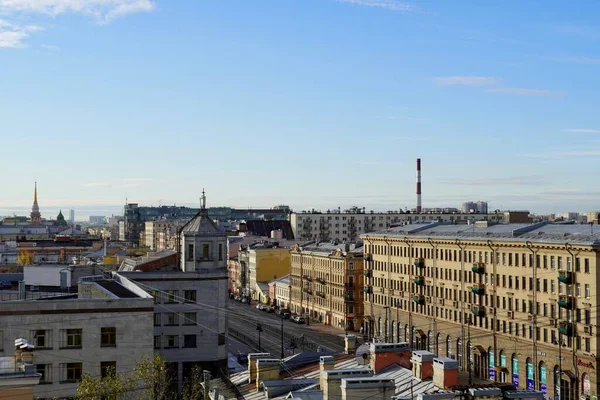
(418, 185)
(422, 364)
(445, 372)
(252, 358)
(365, 388)
(326, 363)
(267, 369)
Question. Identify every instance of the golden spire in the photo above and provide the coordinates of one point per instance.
(35, 193)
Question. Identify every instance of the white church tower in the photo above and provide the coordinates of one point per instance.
(203, 244)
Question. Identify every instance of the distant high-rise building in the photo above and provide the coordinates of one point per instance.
(97, 220)
(72, 217)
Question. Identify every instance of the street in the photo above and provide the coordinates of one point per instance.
(244, 319)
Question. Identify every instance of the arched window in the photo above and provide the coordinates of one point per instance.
(587, 384)
(448, 346)
(379, 327)
(542, 376)
(502, 376)
(530, 374)
(469, 356)
(437, 343)
(556, 378)
(515, 370)
(393, 332)
(399, 331)
(407, 334)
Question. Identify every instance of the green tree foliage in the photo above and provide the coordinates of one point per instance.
(192, 386)
(25, 258)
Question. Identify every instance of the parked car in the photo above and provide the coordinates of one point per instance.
(297, 319)
(245, 300)
(259, 306)
(269, 309)
(286, 315)
(237, 298)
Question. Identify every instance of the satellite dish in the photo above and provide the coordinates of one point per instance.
(363, 354)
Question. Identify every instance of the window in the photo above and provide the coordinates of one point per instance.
(156, 319)
(587, 316)
(171, 294)
(189, 341)
(72, 338)
(46, 371)
(205, 251)
(586, 265)
(172, 341)
(71, 372)
(220, 252)
(190, 252)
(578, 290)
(108, 368)
(221, 339)
(42, 339)
(156, 296)
(190, 296)
(587, 291)
(157, 341)
(108, 337)
(189, 318)
(171, 319)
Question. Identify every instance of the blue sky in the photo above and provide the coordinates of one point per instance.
(311, 103)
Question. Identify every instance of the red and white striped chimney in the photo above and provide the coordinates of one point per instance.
(418, 185)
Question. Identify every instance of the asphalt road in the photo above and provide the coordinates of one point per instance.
(243, 320)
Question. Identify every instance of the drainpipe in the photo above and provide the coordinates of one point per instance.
(495, 316)
(533, 314)
(434, 247)
(389, 300)
(462, 297)
(410, 302)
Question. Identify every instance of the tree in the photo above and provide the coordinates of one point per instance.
(25, 258)
(149, 380)
(192, 386)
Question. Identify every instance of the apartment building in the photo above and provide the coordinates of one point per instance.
(162, 234)
(326, 283)
(105, 325)
(347, 226)
(517, 301)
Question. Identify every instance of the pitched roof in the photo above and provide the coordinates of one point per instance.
(202, 225)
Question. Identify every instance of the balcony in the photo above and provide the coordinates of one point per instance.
(367, 273)
(420, 262)
(419, 280)
(321, 281)
(478, 289)
(419, 299)
(566, 328)
(368, 257)
(478, 268)
(368, 289)
(349, 297)
(565, 301)
(478, 311)
(307, 278)
(320, 294)
(565, 277)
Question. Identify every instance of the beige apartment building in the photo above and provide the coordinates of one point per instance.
(326, 284)
(162, 234)
(347, 226)
(497, 298)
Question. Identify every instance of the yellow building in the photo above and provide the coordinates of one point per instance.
(326, 284)
(499, 298)
(260, 263)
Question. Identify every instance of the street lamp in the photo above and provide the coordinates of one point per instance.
(259, 329)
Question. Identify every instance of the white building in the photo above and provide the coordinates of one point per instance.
(282, 291)
(106, 325)
(348, 226)
(190, 315)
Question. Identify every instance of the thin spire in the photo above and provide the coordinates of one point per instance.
(203, 199)
(35, 193)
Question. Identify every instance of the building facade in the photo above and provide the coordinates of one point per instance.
(326, 284)
(106, 325)
(349, 225)
(517, 300)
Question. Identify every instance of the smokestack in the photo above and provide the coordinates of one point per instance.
(418, 185)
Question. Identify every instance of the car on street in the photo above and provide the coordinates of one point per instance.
(245, 300)
(298, 319)
(286, 315)
(259, 306)
(269, 309)
(237, 298)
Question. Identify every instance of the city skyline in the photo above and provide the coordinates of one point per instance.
(317, 104)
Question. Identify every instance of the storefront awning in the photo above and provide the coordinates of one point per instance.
(421, 333)
(570, 374)
(479, 349)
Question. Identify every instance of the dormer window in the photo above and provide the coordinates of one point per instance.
(205, 251)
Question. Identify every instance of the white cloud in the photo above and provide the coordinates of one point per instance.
(387, 4)
(138, 179)
(103, 10)
(593, 131)
(12, 35)
(465, 80)
(522, 91)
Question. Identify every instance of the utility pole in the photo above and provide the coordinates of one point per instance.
(259, 329)
(282, 355)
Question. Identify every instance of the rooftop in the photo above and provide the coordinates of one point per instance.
(542, 232)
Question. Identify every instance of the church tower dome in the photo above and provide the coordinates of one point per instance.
(36, 217)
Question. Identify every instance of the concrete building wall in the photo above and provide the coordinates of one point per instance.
(132, 319)
(266, 264)
(511, 298)
(347, 227)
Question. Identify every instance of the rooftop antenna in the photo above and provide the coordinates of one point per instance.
(203, 199)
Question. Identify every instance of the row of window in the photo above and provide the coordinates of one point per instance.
(42, 339)
(469, 256)
(173, 296)
(71, 372)
(188, 342)
(175, 319)
(204, 252)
